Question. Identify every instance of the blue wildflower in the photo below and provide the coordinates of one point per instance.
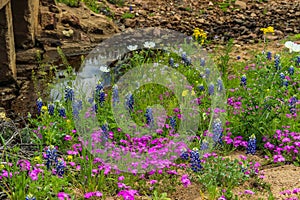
(115, 95)
(188, 61)
(195, 160)
(173, 122)
(69, 94)
(207, 72)
(220, 85)
(277, 62)
(149, 117)
(171, 62)
(202, 62)
(297, 61)
(104, 135)
(99, 93)
(183, 57)
(251, 147)
(201, 87)
(217, 130)
(269, 55)
(77, 106)
(204, 145)
(238, 57)
(211, 89)
(60, 167)
(291, 70)
(129, 102)
(51, 156)
(292, 104)
(243, 80)
(51, 109)
(285, 82)
(39, 104)
(184, 154)
(282, 76)
(62, 111)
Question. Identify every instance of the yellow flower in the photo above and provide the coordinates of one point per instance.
(37, 159)
(69, 158)
(193, 93)
(44, 108)
(68, 121)
(269, 29)
(185, 92)
(1, 166)
(199, 35)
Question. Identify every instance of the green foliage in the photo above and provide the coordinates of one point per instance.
(128, 15)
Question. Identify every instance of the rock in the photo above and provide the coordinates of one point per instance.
(48, 20)
(28, 56)
(68, 33)
(130, 23)
(241, 4)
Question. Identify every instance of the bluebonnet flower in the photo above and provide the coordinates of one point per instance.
(39, 104)
(188, 61)
(115, 95)
(201, 87)
(171, 62)
(238, 57)
(30, 197)
(129, 102)
(291, 70)
(99, 93)
(297, 61)
(204, 145)
(211, 89)
(220, 85)
(277, 62)
(207, 72)
(149, 117)
(51, 156)
(51, 108)
(282, 76)
(173, 122)
(292, 104)
(285, 82)
(62, 111)
(60, 167)
(243, 80)
(251, 147)
(104, 136)
(184, 154)
(202, 62)
(77, 106)
(69, 94)
(130, 8)
(269, 55)
(195, 160)
(183, 57)
(217, 130)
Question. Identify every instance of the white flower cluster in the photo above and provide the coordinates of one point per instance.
(292, 46)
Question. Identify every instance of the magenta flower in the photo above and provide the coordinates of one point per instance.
(152, 182)
(127, 194)
(24, 165)
(249, 192)
(68, 137)
(121, 178)
(185, 180)
(63, 196)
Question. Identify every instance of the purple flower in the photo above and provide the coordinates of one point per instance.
(63, 196)
(127, 194)
(249, 192)
(24, 165)
(68, 137)
(185, 180)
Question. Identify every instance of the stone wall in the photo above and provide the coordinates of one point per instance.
(25, 20)
(7, 46)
